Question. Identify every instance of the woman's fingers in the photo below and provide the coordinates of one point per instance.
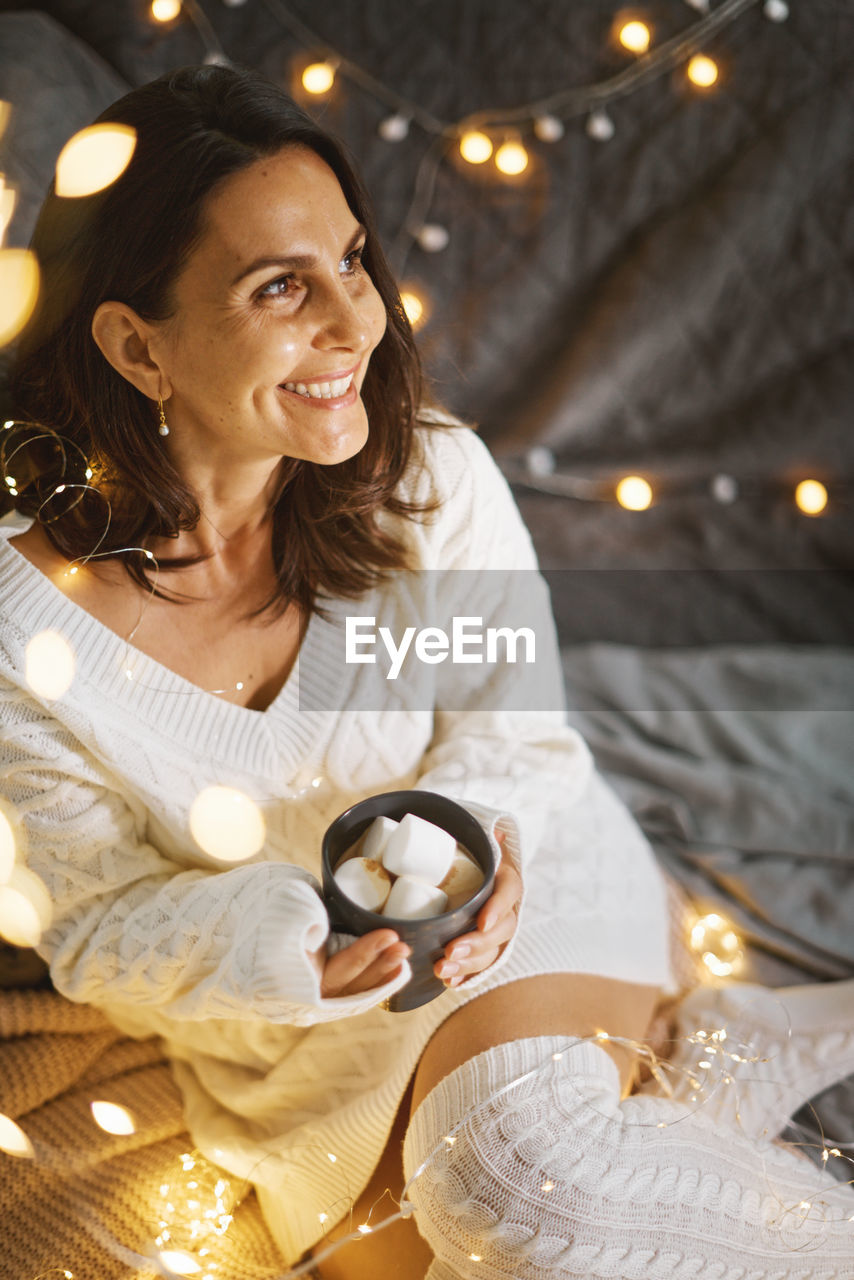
(473, 952)
(505, 896)
(368, 962)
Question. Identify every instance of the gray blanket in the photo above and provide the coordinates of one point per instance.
(738, 762)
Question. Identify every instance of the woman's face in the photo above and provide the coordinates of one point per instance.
(272, 305)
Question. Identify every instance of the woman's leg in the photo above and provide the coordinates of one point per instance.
(565, 1004)
(554, 1175)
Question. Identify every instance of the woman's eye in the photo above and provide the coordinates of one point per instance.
(278, 288)
(354, 257)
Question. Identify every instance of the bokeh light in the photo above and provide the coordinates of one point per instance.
(811, 497)
(165, 10)
(318, 77)
(112, 1118)
(475, 147)
(13, 1140)
(49, 665)
(19, 289)
(5, 113)
(634, 493)
(8, 196)
(635, 36)
(94, 158)
(227, 824)
(702, 71)
(8, 844)
(717, 944)
(179, 1263)
(511, 158)
(413, 306)
(25, 908)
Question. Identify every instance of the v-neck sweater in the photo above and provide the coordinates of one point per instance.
(214, 957)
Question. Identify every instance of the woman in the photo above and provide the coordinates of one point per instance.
(240, 450)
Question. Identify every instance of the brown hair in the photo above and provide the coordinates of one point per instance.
(195, 127)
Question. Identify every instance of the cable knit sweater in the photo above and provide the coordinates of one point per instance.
(166, 940)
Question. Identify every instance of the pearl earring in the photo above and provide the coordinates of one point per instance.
(163, 429)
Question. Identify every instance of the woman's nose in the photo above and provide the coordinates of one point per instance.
(342, 319)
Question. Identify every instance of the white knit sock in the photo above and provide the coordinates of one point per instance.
(780, 1048)
(552, 1175)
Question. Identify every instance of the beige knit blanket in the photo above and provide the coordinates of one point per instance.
(89, 1202)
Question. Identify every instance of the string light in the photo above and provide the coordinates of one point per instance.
(549, 128)
(715, 941)
(93, 159)
(227, 824)
(475, 146)
(165, 10)
(179, 1263)
(702, 71)
(635, 36)
(19, 289)
(112, 1118)
(634, 493)
(8, 196)
(8, 843)
(5, 113)
(432, 238)
(413, 305)
(811, 497)
(776, 10)
(49, 665)
(25, 908)
(394, 128)
(13, 1140)
(511, 158)
(600, 126)
(318, 77)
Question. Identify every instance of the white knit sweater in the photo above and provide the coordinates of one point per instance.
(214, 958)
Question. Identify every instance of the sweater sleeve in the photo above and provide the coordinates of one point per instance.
(131, 926)
(501, 744)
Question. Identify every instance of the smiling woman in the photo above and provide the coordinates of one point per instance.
(223, 445)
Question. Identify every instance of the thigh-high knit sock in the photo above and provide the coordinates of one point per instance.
(552, 1175)
(779, 1049)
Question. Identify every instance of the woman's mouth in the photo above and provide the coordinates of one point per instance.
(330, 392)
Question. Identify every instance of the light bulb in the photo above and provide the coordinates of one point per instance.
(702, 71)
(549, 128)
(475, 147)
(19, 289)
(49, 665)
(634, 493)
(811, 497)
(511, 158)
(724, 488)
(413, 306)
(635, 36)
(227, 824)
(599, 125)
(165, 10)
(716, 942)
(13, 1140)
(432, 238)
(393, 128)
(776, 10)
(540, 460)
(318, 77)
(112, 1118)
(93, 159)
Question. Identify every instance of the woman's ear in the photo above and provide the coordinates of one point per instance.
(124, 341)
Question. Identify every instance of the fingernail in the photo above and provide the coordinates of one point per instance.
(455, 982)
(448, 969)
(460, 953)
(488, 922)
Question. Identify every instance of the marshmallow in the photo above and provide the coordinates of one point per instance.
(414, 899)
(464, 878)
(419, 848)
(376, 837)
(364, 881)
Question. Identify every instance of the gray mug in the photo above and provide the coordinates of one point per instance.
(427, 937)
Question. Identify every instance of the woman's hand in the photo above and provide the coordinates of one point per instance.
(496, 924)
(370, 961)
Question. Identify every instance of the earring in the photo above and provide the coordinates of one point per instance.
(163, 429)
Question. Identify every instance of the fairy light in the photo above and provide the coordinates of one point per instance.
(93, 159)
(113, 1118)
(365, 1229)
(776, 10)
(394, 128)
(475, 146)
(413, 305)
(165, 10)
(318, 77)
(635, 36)
(634, 493)
(600, 126)
(227, 824)
(179, 1262)
(5, 113)
(14, 1141)
(19, 289)
(8, 844)
(49, 665)
(25, 908)
(8, 197)
(549, 128)
(702, 71)
(811, 497)
(511, 158)
(331, 1157)
(432, 238)
(716, 943)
